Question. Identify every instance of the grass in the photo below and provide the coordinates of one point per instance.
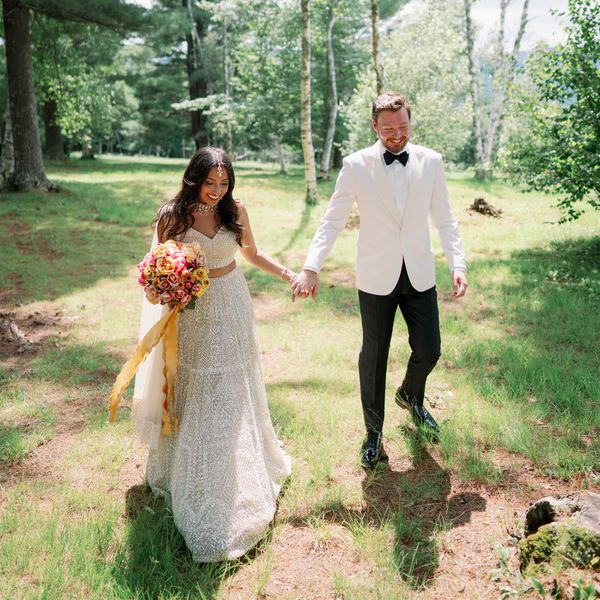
(518, 375)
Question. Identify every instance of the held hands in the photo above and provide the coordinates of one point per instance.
(304, 284)
(459, 284)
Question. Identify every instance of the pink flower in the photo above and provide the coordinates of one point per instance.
(166, 297)
(152, 295)
(163, 284)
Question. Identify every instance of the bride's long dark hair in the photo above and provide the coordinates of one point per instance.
(175, 217)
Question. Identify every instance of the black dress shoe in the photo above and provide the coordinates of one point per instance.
(422, 418)
(420, 415)
(372, 450)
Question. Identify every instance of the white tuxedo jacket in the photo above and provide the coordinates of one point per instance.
(388, 235)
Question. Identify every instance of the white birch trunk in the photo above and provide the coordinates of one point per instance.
(310, 172)
(511, 64)
(332, 100)
(473, 75)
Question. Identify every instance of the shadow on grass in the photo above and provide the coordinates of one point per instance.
(543, 362)
(415, 503)
(154, 561)
(76, 364)
(551, 312)
(421, 506)
(57, 244)
(304, 221)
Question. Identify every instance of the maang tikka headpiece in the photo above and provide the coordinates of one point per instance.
(219, 170)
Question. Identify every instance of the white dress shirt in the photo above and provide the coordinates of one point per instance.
(397, 176)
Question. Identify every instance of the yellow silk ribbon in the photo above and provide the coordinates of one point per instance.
(165, 328)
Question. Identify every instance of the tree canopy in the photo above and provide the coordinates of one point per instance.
(555, 142)
(107, 75)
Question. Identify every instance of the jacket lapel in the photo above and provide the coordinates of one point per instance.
(372, 160)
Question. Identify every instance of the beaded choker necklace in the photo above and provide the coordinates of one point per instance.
(205, 209)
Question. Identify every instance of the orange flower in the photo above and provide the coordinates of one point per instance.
(165, 265)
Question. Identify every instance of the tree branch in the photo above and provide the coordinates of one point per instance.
(110, 14)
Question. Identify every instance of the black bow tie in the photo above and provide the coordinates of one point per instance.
(390, 157)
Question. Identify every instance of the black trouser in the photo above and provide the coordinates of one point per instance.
(420, 311)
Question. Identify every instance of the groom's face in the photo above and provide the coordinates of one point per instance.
(393, 129)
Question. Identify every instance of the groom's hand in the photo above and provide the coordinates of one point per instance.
(459, 284)
(306, 283)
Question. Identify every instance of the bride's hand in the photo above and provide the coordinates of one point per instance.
(291, 280)
(305, 284)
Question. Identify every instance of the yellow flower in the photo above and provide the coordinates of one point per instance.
(165, 265)
(199, 274)
(150, 272)
(160, 250)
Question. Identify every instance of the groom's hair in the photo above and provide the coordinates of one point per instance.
(389, 101)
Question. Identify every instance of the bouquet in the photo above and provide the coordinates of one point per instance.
(174, 273)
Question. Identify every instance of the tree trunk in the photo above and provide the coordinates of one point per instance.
(53, 148)
(29, 166)
(497, 76)
(196, 76)
(281, 158)
(511, 65)
(375, 44)
(473, 72)
(7, 163)
(503, 74)
(87, 152)
(228, 135)
(310, 172)
(332, 99)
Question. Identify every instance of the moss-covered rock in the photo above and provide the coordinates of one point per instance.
(560, 545)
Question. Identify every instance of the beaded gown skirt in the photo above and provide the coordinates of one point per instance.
(222, 472)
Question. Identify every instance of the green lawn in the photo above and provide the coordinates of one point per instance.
(518, 383)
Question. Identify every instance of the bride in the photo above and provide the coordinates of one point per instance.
(222, 470)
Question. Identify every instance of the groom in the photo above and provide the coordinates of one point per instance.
(398, 186)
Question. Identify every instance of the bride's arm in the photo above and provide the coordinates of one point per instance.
(254, 255)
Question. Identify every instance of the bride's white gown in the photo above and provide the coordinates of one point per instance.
(223, 471)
